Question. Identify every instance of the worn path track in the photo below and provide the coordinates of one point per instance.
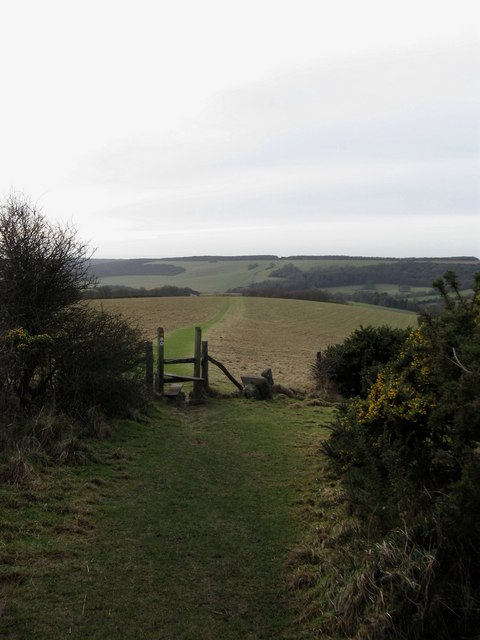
(184, 535)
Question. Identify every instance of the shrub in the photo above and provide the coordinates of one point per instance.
(350, 367)
(58, 358)
(99, 362)
(408, 453)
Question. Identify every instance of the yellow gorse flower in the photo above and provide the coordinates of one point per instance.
(23, 341)
(392, 396)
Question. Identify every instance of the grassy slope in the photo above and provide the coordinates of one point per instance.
(287, 334)
(170, 313)
(206, 277)
(249, 334)
(219, 276)
(182, 534)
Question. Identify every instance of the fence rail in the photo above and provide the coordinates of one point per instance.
(200, 360)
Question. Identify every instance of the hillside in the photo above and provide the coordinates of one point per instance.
(218, 274)
(249, 334)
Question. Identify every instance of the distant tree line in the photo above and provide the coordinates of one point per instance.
(383, 299)
(134, 267)
(122, 291)
(223, 258)
(291, 282)
(316, 295)
(412, 272)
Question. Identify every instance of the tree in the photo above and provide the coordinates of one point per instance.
(54, 349)
(43, 267)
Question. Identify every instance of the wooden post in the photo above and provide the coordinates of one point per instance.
(161, 357)
(205, 365)
(149, 365)
(226, 372)
(197, 385)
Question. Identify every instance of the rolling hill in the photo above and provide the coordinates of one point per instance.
(412, 277)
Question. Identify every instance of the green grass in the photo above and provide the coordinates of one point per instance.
(181, 531)
(221, 275)
(180, 342)
(206, 277)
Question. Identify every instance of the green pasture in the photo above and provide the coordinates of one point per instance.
(179, 528)
(218, 276)
(206, 277)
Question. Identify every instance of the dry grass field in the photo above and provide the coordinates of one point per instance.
(254, 333)
(286, 334)
(169, 313)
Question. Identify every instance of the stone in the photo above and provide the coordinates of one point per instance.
(267, 374)
(263, 389)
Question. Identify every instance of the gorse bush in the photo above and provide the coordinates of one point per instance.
(408, 453)
(350, 367)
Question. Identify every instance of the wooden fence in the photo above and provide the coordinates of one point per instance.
(156, 380)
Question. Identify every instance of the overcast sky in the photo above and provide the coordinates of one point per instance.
(228, 127)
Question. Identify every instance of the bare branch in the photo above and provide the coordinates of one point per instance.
(457, 361)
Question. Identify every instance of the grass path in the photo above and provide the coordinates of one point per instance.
(181, 532)
(179, 343)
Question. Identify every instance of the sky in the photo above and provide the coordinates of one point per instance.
(228, 127)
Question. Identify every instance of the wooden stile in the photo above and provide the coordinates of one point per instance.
(200, 361)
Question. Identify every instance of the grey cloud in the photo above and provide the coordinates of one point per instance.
(424, 197)
(412, 106)
(430, 132)
(353, 89)
(391, 137)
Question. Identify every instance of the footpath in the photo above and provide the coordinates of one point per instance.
(180, 529)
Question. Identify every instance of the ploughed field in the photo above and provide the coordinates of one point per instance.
(249, 334)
